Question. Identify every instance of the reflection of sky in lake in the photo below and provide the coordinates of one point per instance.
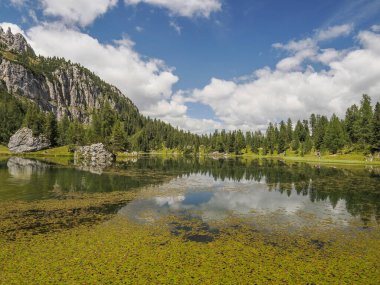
(204, 197)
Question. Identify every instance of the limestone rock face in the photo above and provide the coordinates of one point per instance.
(69, 90)
(93, 158)
(24, 141)
(14, 42)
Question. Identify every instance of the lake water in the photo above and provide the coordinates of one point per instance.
(188, 221)
(209, 189)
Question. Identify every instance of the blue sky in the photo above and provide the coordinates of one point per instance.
(206, 64)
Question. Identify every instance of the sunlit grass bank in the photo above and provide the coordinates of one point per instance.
(4, 150)
(350, 158)
(57, 151)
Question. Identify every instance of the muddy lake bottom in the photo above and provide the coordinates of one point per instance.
(186, 221)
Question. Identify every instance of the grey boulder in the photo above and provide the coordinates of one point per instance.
(93, 158)
(24, 141)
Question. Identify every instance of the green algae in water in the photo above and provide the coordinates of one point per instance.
(123, 252)
(157, 221)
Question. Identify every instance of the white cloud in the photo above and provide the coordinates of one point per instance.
(308, 48)
(198, 126)
(329, 55)
(14, 28)
(82, 12)
(18, 3)
(176, 27)
(139, 29)
(294, 46)
(32, 14)
(174, 111)
(294, 62)
(188, 8)
(375, 28)
(146, 81)
(334, 32)
(167, 109)
(292, 90)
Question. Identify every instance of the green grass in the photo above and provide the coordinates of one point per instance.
(51, 152)
(351, 158)
(4, 150)
(57, 151)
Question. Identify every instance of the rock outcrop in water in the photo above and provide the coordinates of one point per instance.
(24, 141)
(93, 158)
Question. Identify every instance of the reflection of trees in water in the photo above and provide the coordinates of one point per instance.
(359, 188)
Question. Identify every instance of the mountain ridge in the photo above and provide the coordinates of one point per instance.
(55, 84)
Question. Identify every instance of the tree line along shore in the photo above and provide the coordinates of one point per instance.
(355, 137)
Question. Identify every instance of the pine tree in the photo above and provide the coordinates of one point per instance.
(63, 127)
(75, 133)
(320, 131)
(297, 136)
(352, 123)
(239, 142)
(34, 119)
(220, 141)
(12, 112)
(289, 131)
(313, 124)
(365, 120)
(51, 129)
(335, 135)
(257, 141)
(376, 129)
(108, 117)
(271, 138)
(118, 140)
(282, 140)
(96, 126)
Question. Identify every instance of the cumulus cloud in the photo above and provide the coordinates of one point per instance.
(294, 89)
(18, 3)
(294, 46)
(82, 12)
(308, 48)
(147, 82)
(174, 111)
(14, 28)
(334, 32)
(375, 28)
(188, 8)
(329, 55)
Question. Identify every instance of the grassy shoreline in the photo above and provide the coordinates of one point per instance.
(351, 159)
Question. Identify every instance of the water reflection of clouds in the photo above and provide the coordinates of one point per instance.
(171, 201)
(214, 200)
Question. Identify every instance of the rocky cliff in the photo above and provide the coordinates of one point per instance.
(14, 43)
(56, 85)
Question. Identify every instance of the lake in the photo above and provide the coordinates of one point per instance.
(153, 210)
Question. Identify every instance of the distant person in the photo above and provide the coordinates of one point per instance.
(319, 154)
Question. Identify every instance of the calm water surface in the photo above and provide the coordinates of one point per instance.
(209, 189)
